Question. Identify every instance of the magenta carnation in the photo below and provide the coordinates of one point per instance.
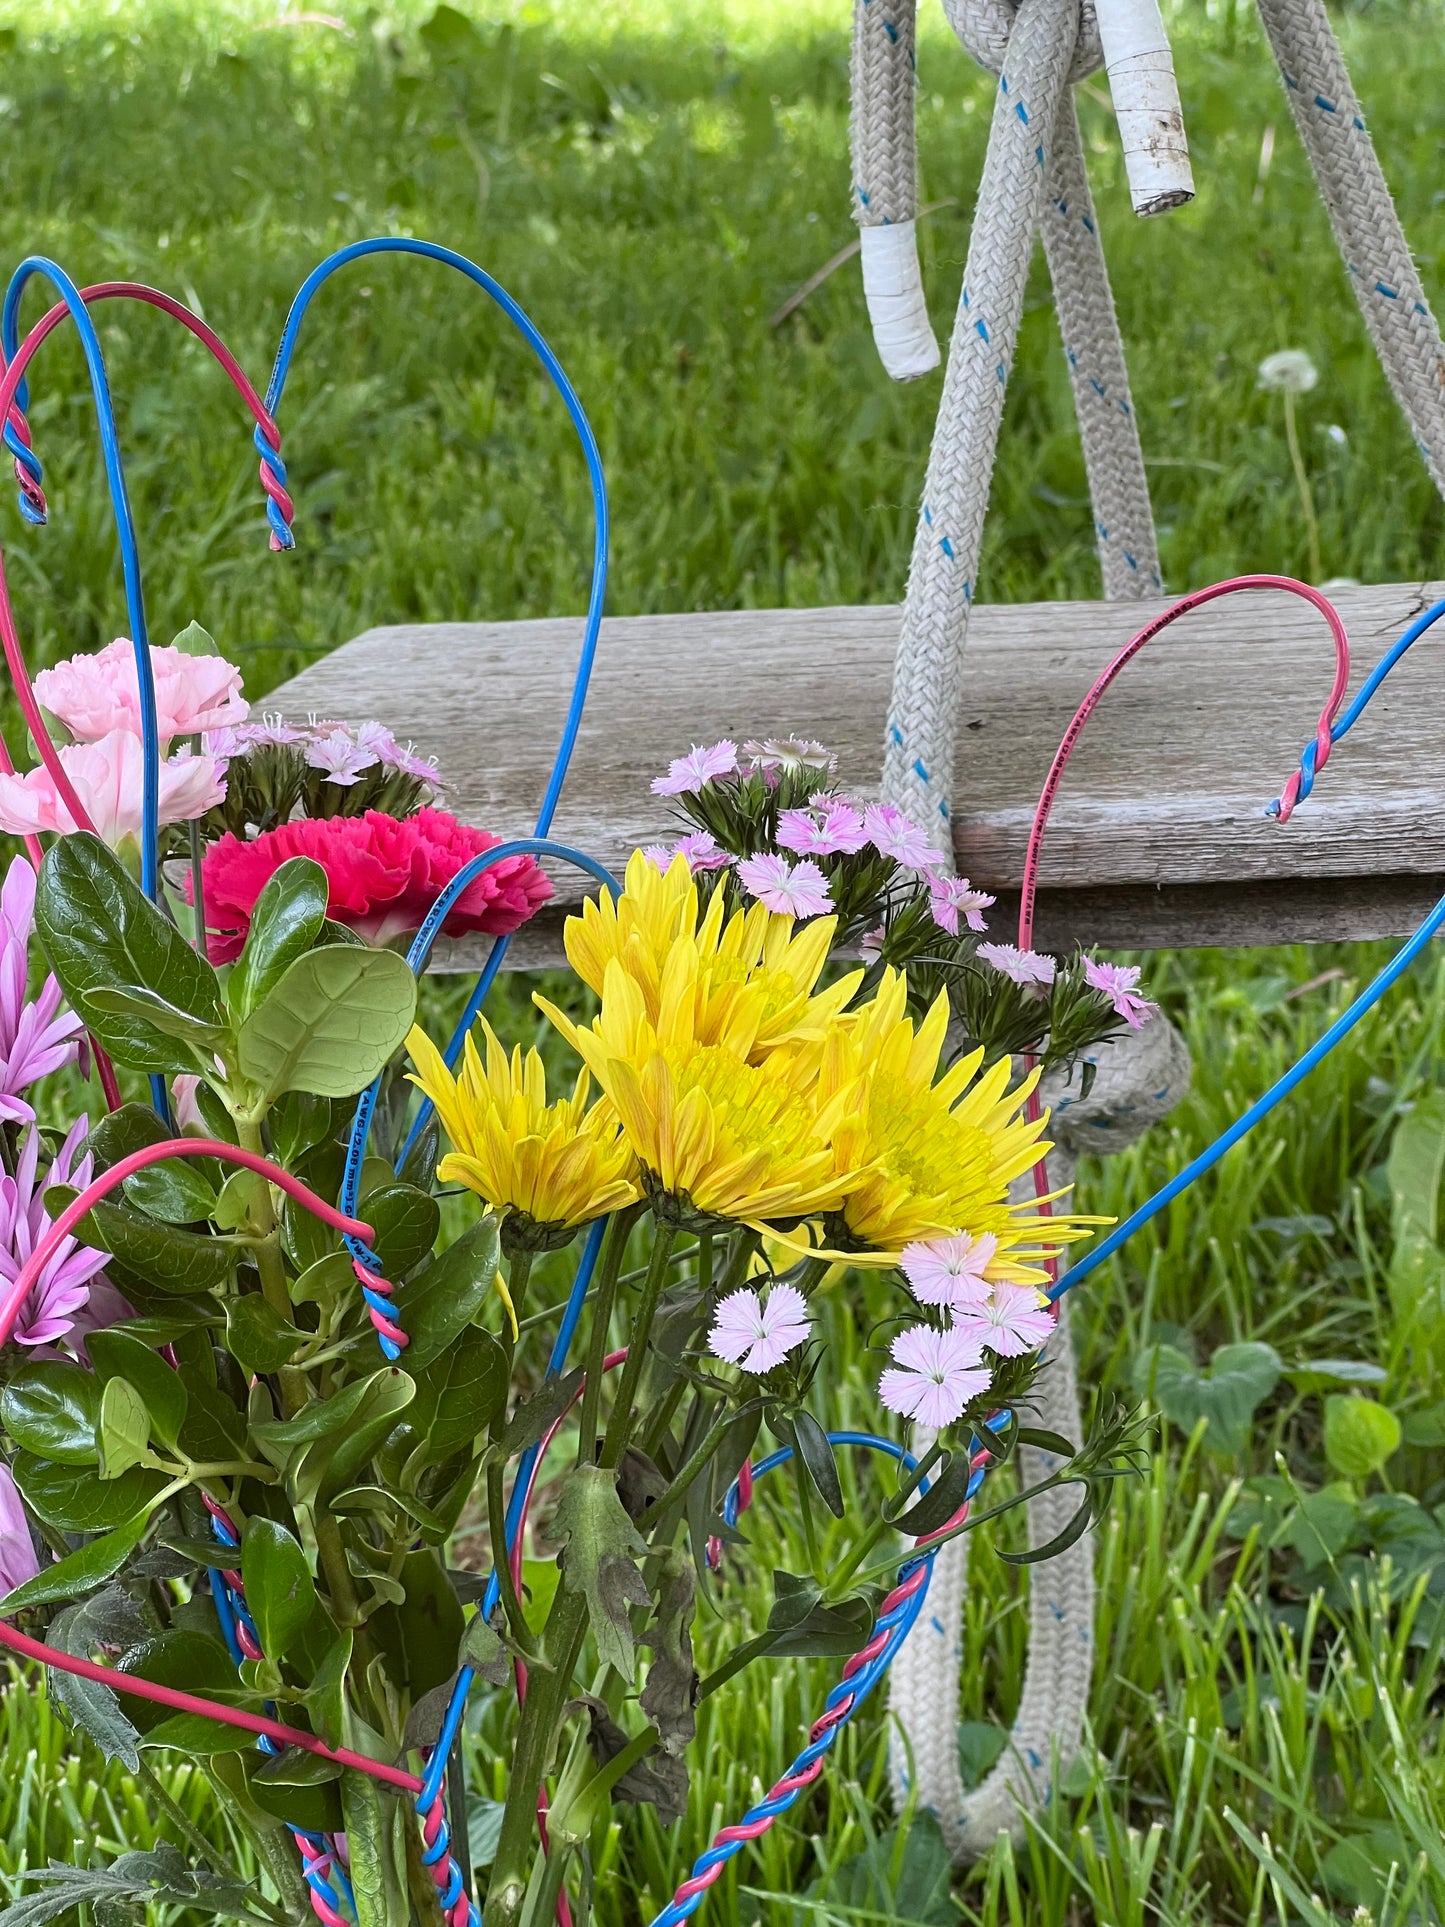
(384, 874)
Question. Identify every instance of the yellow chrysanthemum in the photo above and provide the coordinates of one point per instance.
(547, 1167)
(936, 1158)
(754, 982)
(718, 1136)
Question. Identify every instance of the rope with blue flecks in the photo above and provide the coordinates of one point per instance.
(922, 721)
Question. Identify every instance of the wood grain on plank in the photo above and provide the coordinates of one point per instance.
(1158, 835)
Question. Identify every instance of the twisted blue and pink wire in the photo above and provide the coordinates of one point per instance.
(323, 1859)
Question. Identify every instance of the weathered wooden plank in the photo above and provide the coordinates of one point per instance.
(1158, 836)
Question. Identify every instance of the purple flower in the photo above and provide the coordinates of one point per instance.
(789, 752)
(790, 890)
(950, 1271)
(35, 1038)
(388, 751)
(937, 1374)
(893, 834)
(702, 852)
(1014, 1319)
(1119, 983)
(950, 896)
(756, 1335)
(870, 944)
(343, 759)
(840, 832)
(686, 775)
(273, 732)
(1023, 966)
(63, 1286)
(17, 1549)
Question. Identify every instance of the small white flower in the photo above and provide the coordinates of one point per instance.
(1289, 372)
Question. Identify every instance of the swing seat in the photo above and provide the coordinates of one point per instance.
(1159, 835)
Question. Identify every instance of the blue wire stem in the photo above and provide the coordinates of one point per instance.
(69, 293)
(430, 251)
(1261, 1108)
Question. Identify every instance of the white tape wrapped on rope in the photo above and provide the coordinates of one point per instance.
(1140, 67)
(893, 288)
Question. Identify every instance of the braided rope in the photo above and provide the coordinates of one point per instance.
(919, 743)
(1352, 185)
(1108, 429)
(880, 125)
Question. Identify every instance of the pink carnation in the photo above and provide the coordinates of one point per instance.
(1024, 967)
(1120, 984)
(787, 889)
(93, 695)
(893, 834)
(839, 831)
(107, 778)
(385, 875)
(948, 897)
(703, 852)
(686, 775)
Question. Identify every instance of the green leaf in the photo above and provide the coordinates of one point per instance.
(903, 1875)
(191, 1662)
(162, 1255)
(53, 1410)
(551, 1399)
(299, 1121)
(134, 1127)
(1416, 1166)
(241, 1202)
(946, 1492)
(285, 924)
(1359, 1435)
(1425, 1427)
(100, 932)
(330, 1025)
(460, 1396)
(405, 1223)
(94, 1708)
(72, 1498)
(1318, 1374)
(817, 1456)
(138, 1002)
(118, 1353)
(279, 1588)
(195, 641)
(429, 1621)
(669, 1699)
(174, 1191)
(446, 1295)
(1238, 1381)
(599, 1560)
(257, 1336)
(78, 1572)
(296, 1787)
(125, 1428)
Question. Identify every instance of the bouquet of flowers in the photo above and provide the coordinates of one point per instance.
(264, 1353)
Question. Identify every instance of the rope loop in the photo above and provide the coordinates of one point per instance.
(984, 26)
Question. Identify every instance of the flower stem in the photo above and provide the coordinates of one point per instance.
(610, 1266)
(1302, 480)
(619, 1428)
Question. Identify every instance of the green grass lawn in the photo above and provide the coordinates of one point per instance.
(652, 181)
